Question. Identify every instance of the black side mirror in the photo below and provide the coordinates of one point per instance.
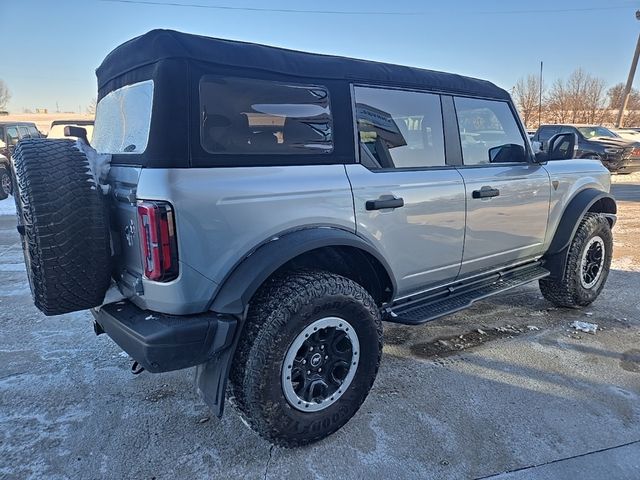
(562, 146)
(510, 152)
(73, 131)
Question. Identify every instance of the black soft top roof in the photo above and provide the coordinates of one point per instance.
(158, 45)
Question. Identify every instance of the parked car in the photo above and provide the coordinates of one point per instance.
(619, 155)
(57, 127)
(266, 209)
(10, 134)
(627, 134)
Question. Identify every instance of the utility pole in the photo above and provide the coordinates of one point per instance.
(632, 73)
(540, 97)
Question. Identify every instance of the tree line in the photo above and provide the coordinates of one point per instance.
(580, 98)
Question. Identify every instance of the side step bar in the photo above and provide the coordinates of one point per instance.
(462, 295)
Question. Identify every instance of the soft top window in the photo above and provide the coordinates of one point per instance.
(248, 116)
(123, 120)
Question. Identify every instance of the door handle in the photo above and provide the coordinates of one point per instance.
(382, 203)
(485, 192)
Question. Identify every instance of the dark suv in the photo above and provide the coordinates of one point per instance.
(616, 153)
(10, 134)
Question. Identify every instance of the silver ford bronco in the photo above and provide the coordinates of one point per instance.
(256, 213)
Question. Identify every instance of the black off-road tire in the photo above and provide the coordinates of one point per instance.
(568, 291)
(63, 221)
(281, 309)
(5, 176)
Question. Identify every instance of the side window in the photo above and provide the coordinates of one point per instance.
(400, 129)
(488, 132)
(12, 135)
(249, 116)
(547, 132)
(24, 132)
(33, 131)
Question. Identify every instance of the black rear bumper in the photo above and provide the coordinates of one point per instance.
(161, 343)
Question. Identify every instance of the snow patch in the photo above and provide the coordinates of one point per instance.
(99, 163)
(585, 326)
(7, 206)
(12, 267)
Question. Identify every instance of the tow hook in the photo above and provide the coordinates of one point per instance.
(136, 368)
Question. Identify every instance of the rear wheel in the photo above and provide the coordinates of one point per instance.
(64, 226)
(307, 358)
(6, 185)
(587, 266)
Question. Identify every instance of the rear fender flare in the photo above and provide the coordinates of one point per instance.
(236, 290)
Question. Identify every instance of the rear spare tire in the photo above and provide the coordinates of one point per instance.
(63, 221)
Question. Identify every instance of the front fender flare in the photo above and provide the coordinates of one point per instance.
(580, 204)
(244, 280)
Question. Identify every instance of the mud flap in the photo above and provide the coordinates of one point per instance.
(211, 377)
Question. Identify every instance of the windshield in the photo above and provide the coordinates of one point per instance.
(123, 119)
(591, 132)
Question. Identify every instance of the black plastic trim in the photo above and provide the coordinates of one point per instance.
(452, 147)
(570, 220)
(240, 285)
(162, 343)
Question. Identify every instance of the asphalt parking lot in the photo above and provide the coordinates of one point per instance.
(505, 390)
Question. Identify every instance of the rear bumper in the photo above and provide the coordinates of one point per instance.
(160, 342)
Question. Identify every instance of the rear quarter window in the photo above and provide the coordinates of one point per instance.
(250, 116)
(123, 120)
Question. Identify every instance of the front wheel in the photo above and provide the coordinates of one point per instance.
(587, 266)
(308, 356)
(6, 185)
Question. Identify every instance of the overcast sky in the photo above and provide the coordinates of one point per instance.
(52, 47)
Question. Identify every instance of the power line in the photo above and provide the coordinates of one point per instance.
(362, 12)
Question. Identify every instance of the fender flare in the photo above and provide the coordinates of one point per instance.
(580, 204)
(244, 280)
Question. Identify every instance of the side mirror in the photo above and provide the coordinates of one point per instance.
(510, 152)
(74, 131)
(562, 146)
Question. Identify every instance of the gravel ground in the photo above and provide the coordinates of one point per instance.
(504, 389)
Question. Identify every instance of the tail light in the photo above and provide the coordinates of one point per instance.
(635, 152)
(158, 241)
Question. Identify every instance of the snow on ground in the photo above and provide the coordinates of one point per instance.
(7, 206)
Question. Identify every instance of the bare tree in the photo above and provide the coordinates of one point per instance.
(579, 99)
(5, 95)
(632, 113)
(526, 95)
(91, 108)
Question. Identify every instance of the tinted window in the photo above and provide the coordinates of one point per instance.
(249, 116)
(400, 129)
(33, 131)
(484, 125)
(24, 132)
(547, 132)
